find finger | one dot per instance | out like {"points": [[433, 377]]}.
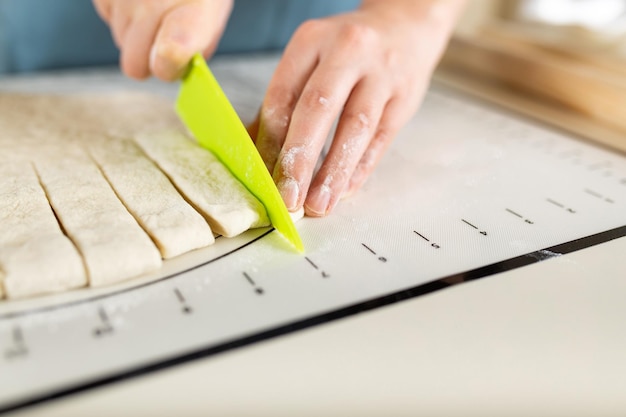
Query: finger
{"points": [[253, 128], [356, 127], [120, 20], [186, 30], [393, 118], [317, 108], [290, 77], [138, 40]]}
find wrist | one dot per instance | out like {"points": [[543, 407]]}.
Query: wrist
{"points": [[442, 15]]}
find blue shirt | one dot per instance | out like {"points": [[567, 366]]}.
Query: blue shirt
{"points": [[49, 34]]}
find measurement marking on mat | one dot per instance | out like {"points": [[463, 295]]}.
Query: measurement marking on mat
{"points": [[314, 265], [516, 214], [560, 205], [380, 258], [593, 193], [482, 232], [19, 348], [181, 298], [434, 245], [257, 289], [469, 224], [599, 196], [556, 203], [105, 326]]}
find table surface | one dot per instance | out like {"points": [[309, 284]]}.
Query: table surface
{"points": [[545, 339]]}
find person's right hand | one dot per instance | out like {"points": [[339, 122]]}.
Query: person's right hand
{"points": [[159, 37]]}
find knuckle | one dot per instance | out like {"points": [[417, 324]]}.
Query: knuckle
{"points": [[358, 35], [295, 161], [141, 11], [275, 122], [310, 28], [277, 108], [316, 99], [148, 8], [360, 119], [280, 97], [382, 136], [377, 145], [391, 59]]}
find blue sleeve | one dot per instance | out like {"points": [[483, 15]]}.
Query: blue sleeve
{"points": [[50, 34], [268, 24], [44, 34]]}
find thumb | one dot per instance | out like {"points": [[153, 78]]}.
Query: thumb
{"points": [[187, 29]]}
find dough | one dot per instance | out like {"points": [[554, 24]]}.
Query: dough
{"points": [[35, 256], [126, 184], [227, 205], [113, 245], [148, 194]]}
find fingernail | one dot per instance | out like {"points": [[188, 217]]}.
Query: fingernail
{"points": [[167, 60], [289, 191], [318, 202]]}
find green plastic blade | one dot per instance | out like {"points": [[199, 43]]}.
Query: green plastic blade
{"points": [[207, 113]]}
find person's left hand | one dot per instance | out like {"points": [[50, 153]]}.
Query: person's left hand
{"points": [[370, 68]]}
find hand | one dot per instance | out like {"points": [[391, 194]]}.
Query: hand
{"points": [[371, 69], [159, 37]]}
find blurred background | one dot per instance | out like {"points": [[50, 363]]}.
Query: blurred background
{"points": [[592, 25], [568, 53]]}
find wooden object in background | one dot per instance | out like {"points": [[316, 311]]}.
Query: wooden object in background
{"points": [[570, 85]]}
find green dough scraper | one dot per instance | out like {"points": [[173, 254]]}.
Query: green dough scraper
{"points": [[207, 113]]}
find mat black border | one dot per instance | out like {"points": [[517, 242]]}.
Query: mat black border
{"points": [[439, 284]]}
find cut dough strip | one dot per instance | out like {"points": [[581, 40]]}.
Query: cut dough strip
{"points": [[35, 256], [113, 245], [170, 189], [149, 195], [227, 205]]}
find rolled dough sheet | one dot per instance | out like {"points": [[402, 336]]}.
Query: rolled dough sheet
{"points": [[149, 195], [227, 205], [113, 245], [35, 256]]}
